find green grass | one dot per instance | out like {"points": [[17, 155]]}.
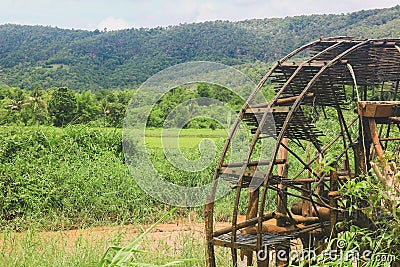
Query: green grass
{"points": [[188, 138]]}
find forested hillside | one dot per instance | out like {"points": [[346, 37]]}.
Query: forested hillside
{"points": [[32, 56]]}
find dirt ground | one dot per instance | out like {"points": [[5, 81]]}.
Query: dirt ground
{"points": [[168, 234]]}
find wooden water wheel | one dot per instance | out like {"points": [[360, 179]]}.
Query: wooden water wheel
{"points": [[354, 84]]}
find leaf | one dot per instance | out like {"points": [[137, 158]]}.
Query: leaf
{"points": [[124, 254]]}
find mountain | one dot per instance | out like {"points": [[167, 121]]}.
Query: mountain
{"points": [[49, 57]]}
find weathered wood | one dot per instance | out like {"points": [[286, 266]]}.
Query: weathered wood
{"points": [[375, 138], [389, 139], [333, 201], [377, 109], [394, 119], [244, 224], [318, 81], [252, 210], [282, 198], [253, 163], [283, 173], [255, 110], [209, 228], [282, 101], [306, 209]]}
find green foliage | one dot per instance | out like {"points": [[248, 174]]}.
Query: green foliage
{"points": [[62, 106], [116, 114], [39, 106], [374, 199], [169, 104], [87, 109], [76, 176]]}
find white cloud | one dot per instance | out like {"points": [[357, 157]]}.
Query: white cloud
{"points": [[113, 24]]}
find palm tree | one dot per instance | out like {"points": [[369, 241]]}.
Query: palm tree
{"points": [[36, 99], [104, 107], [17, 100]]}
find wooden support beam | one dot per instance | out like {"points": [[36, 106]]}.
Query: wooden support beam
{"points": [[244, 224], [209, 228], [375, 138], [283, 172], [333, 201], [394, 119], [306, 209], [263, 110], [253, 198], [390, 139], [377, 109], [282, 101], [282, 198], [253, 163], [315, 64]]}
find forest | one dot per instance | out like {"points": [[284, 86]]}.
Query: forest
{"points": [[32, 56], [104, 108]]}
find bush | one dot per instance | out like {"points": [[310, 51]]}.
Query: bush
{"points": [[66, 178]]}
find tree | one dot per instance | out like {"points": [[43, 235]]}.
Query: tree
{"points": [[17, 99], [203, 89], [87, 109], [62, 106], [116, 114], [17, 103], [39, 104]]}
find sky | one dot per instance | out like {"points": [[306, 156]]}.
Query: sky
{"points": [[122, 14]]}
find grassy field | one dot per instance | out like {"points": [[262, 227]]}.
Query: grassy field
{"points": [[188, 138], [76, 177], [54, 179]]}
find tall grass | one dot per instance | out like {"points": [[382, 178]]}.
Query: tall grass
{"points": [[85, 248], [65, 179], [53, 178]]}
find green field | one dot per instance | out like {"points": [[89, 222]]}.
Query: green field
{"points": [[56, 179], [76, 177], [188, 138], [73, 177]]}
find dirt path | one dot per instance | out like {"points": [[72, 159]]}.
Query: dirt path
{"points": [[178, 240], [165, 234]]}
